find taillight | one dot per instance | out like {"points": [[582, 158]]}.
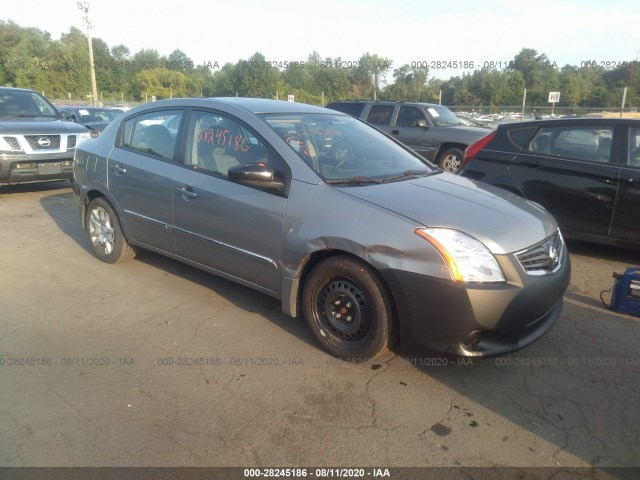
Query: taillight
{"points": [[473, 149]]}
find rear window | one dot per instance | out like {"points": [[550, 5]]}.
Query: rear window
{"points": [[380, 114], [577, 142], [354, 109]]}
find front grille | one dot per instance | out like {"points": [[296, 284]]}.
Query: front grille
{"points": [[12, 142], [543, 258], [71, 141], [43, 142]]}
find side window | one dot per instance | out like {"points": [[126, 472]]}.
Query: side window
{"points": [[634, 147], [519, 136], [380, 114], [215, 143], [581, 143], [354, 109], [153, 133], [409, 116]]}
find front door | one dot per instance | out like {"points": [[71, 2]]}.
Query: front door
{"points": [[232, 228]]}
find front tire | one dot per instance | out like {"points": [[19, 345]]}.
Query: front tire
{"points": [[451, 160], [105, 233], [348, 309]]}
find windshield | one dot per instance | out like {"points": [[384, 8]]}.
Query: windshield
{"points": [[17, 103], [97, 115], [442, 116], [342, 149]]}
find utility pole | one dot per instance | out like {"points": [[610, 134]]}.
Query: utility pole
{"points": [[94, 90]]}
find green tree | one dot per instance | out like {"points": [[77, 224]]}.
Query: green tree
{"points": [[161, 82]]}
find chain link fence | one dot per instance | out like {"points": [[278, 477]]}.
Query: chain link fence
{"points": [[477, 114], [491, 116]]}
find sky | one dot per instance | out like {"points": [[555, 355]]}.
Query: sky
{"points": [[407, 32]]}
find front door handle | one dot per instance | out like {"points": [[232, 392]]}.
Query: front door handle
{"points": [[186, 192], [395, 132]]}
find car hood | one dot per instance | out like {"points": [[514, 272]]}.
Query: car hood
{"points": [[504, 222], [477, 131], [97, 126], [37, 126]]}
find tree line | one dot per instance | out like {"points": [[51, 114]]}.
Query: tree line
{"points": [[30, 58]]}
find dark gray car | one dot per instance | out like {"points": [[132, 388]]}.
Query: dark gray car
{"points": [[332, 217], [431, 130], [95, 119], [36, 144]]}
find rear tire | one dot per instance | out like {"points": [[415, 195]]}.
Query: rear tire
{"points": [[105, 233], [451, 160], [348, 309]]}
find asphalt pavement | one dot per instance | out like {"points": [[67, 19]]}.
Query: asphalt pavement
{"points": [[154, 363]]}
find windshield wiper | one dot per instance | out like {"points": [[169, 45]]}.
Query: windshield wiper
{"points": [[357, 180], [410, 173]]}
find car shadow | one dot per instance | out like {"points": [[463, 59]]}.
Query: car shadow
{"points": [[34, 187], [574, 389], [604, 252], [58, 207]]}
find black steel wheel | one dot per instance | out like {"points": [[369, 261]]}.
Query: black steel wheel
{"points": [[348, 309]]}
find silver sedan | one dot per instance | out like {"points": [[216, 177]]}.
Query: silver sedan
{"points": [[350, 229]]}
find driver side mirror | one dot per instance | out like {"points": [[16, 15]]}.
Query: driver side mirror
{"points": [[256, 175], [422, 123]]}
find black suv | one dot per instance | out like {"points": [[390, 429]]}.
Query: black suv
{"points": [[36, 143], [586, 172], [431, 130]]}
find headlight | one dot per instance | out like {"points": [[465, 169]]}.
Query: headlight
{"points": [[467, 258], [83, 136]]}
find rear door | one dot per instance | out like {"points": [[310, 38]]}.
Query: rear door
{"points": [[625, 224], [140, 177], [572, 170]]}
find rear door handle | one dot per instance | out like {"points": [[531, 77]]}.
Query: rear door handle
{"points": [[186, 192], [119, 169], [395, 132]]}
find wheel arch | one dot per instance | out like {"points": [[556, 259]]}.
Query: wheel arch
{"points": [[89, 197], [292, 293], [447, 145]]}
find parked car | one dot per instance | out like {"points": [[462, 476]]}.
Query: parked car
{"points": [[36, 144], [94, 118], [431, 130], [586, 172], [331, 217]]}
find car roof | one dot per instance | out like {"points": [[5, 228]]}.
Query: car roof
{"points": [[570, 121], [16, 89], [263, 105], [252, 105], [82, 107], [387, 102]]}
